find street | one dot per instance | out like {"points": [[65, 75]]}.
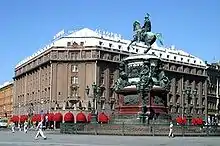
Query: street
{"points": [[55, 139]]}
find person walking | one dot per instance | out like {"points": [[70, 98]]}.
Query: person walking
{"points": [[25, 126], [171, 130], [39, 130], [13, 127]]}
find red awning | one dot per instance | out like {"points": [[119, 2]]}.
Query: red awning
{"points": [[69, 117], [14, 118], [50, 117], [81, 117], [23, 118], [58, 117], [89, 117], [36, 118], [199, 121], [103, 118], [181, 120]]}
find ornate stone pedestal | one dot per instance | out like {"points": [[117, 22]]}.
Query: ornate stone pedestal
{"points": [[142, 88]]}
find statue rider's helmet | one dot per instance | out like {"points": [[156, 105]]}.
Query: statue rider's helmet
{"points": [[147, 16]]}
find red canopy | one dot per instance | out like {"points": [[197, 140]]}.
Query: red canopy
{"points": [[181, 120], [14, 118], [58, 117], [197, 121], [36, 118], [50, 117], [69, 117], [23, 118], [103, 118], [81, 117]]}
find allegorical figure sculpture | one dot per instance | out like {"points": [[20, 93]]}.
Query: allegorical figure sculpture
{"points": [[123, 77], [144, 34]]}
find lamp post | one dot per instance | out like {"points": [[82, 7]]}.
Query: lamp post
{"points": [[96, 96], [5, 112], [41, 102], [19, 106]]}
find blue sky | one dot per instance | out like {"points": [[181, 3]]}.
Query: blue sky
{"points": [[26, 26]]}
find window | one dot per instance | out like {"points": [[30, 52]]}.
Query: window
{"points": [[68, 43], [81, 43], [168, 56], [181, 59], [74, 68], [160, 54], [137, 50], [194, 61], [111, 79], [119, 46], [174, 57], [74, 80], [110, 45], [100, 43], [187, 60], [153, 53]]}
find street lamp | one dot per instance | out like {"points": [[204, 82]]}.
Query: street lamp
{"points": [[19, 105], [87, 90], [96, 96], [5, 111], [41, 102]]}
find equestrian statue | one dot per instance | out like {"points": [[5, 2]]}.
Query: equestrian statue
{"points": [[144, 34]]}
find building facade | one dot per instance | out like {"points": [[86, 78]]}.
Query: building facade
{"points": [[56, 77], [6, 99], [213, 72]]}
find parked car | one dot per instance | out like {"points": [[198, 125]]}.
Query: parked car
{"points": [[3, 123]]}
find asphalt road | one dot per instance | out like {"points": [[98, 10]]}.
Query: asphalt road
{"points": [[55, 139]]}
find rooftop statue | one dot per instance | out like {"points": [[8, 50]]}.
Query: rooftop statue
{"points": [[144, 34]]}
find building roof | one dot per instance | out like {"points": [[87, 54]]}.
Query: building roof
{"points": [[6, 84], [114, 41]]}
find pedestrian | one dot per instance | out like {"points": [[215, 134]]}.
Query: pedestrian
{"points": [[13, 127], [25, 126], [39, 130], [171, 130]]}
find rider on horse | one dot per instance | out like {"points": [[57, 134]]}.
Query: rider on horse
{"points": [[144, 34]]}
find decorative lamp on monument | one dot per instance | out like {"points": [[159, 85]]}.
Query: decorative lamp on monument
{"points": [[19, 106], [96, 95]]}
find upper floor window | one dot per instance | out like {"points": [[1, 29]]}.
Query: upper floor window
{"points": [[74, 68], [74, 80], [68, 43]]}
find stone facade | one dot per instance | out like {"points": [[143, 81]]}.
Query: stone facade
{"points": [[56, 80], [6, 98], [213, 72], [183, 76]]}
